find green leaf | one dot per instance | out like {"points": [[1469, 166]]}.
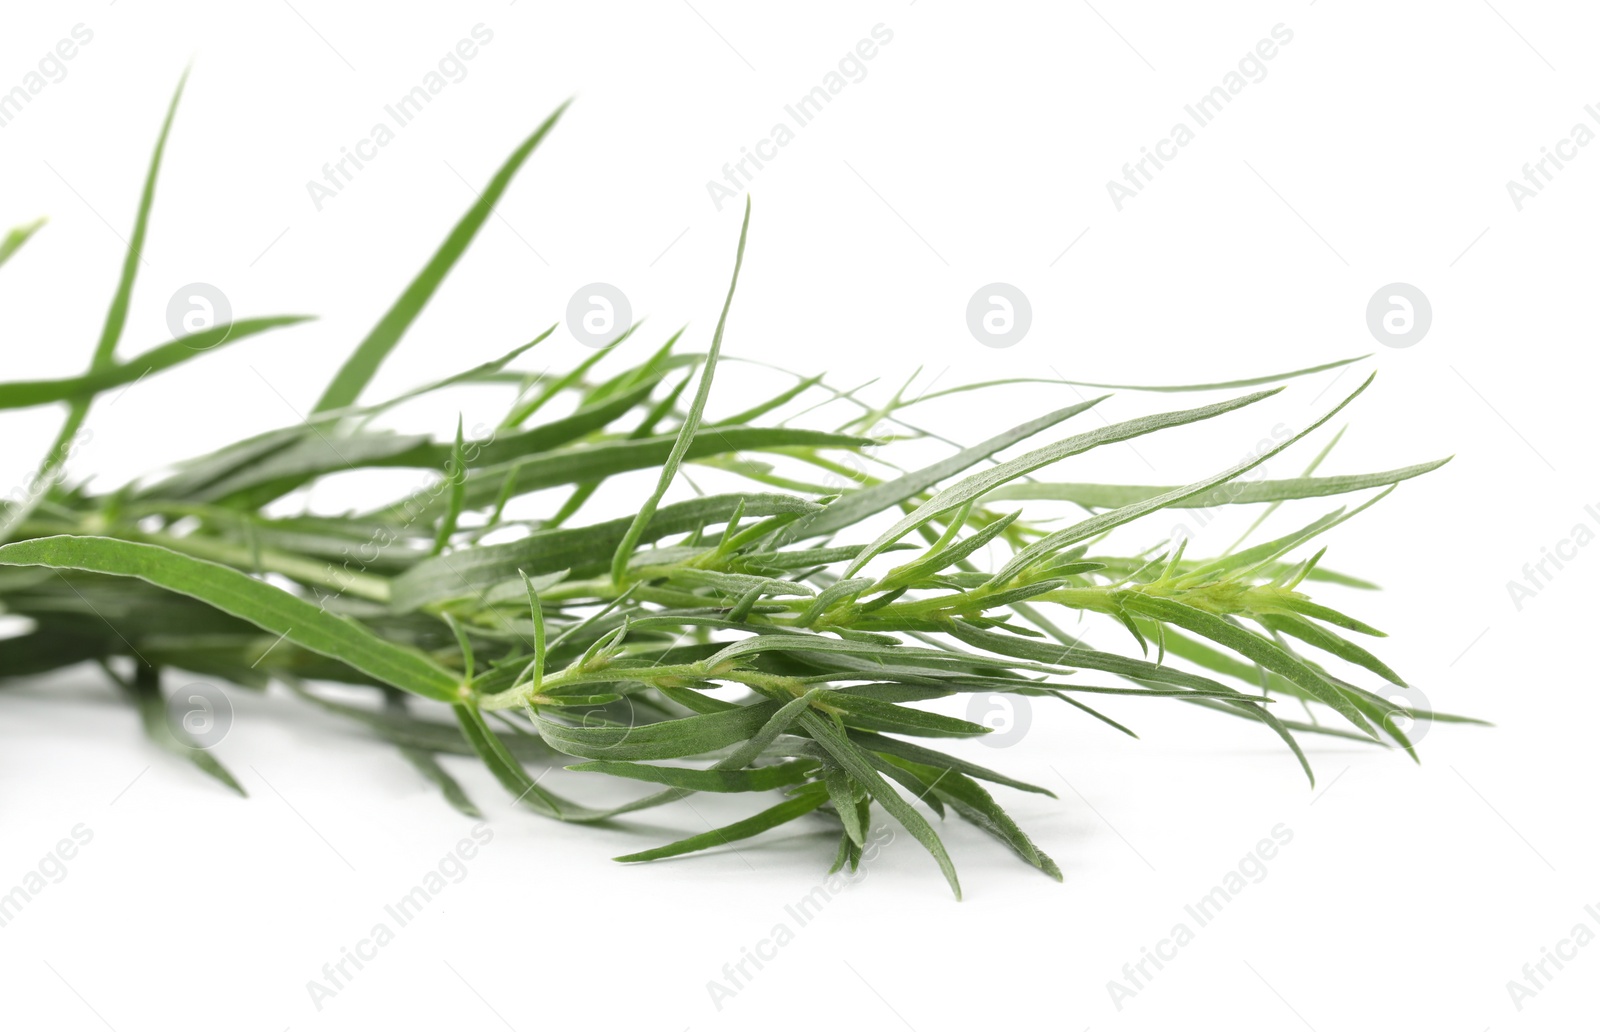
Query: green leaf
{"points": [[407, 731], [775, 402], [117, 314], [270, 608], [1202, 689], [876, 715], [691, 423], [973, 802], [507, 770], [580, 549], [1259, 557], [25, 393], [831, 596], [851, 757], [938, 559], [1327, 641], [528, 792], [1252, 381], [806, 799], [608, 458], [535, 669], [980, 484], [1112, 496], [449, 787], [145, 691], [1305, 607], [361, 366], [14, 239], [477, 373], [855, 506], [508, 447], [664, 740], [776, 725], [1252, 646], [756, 779], [311, 453], [455, 481], [846, 801], [1102, 522], [737, 585], [522, 411]]}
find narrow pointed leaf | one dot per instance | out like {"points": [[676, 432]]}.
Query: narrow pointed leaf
{"points": [[803, 802], [361, 366], [691, 422], [268, 607]]}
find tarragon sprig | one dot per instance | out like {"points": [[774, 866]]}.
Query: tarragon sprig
{"points": [[775, 638]]}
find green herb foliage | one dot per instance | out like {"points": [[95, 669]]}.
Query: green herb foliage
{"points": [[758, 641]]}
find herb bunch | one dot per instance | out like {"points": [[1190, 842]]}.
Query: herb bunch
{"points": [[758, 641]]}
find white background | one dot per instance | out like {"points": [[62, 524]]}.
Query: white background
{"points": [[976, 149]]}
